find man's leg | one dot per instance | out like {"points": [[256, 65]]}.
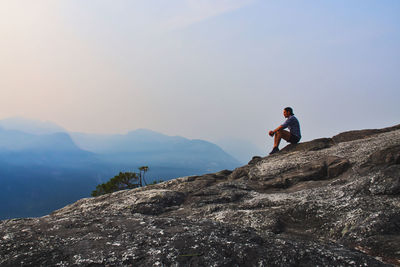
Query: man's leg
{"points": [[279, 135]]}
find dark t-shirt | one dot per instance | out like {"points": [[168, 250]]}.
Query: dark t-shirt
{"points": [[293, 125]]}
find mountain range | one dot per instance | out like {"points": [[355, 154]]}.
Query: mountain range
{"points": [[44, 167]]}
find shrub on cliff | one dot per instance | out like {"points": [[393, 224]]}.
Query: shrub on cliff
{"points": [[124, 180]]}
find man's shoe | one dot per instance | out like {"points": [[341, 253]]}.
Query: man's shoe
{"points": [[274, 150]]}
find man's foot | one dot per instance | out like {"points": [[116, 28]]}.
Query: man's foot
{"points": [[274, 150]]}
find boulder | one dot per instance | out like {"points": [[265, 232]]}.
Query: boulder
{"points": [[361, 134]]}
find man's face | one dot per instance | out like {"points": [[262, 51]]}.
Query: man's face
{"points": [[286, 114]]}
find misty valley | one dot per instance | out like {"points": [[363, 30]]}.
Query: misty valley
{"points": [[45, 168]]}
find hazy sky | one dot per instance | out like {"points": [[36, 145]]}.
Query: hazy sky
{"points": [[208, 69]]}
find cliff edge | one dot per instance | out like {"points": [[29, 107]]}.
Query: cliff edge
{"points": [[329, 202]]}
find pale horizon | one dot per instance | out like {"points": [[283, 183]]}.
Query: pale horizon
{"points": [[214, 70]]}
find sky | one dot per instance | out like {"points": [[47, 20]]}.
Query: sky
{"points": [[218, 70]]}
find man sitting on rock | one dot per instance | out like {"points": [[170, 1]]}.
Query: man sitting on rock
{"points": [[292, 136]]}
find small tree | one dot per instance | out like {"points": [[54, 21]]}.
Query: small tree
{"points": [[124, 180]]}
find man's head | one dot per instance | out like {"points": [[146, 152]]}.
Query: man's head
{"points": [[287, 112]]}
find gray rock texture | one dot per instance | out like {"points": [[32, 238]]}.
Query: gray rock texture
{"points": [[328, 202]]}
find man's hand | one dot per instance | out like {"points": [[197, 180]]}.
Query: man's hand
{"points": [[271, 133]]}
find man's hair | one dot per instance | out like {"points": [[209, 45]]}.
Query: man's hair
{"points": [[289, 109]]}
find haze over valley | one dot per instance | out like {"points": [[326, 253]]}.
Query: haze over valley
{"points": [[43, 167]]}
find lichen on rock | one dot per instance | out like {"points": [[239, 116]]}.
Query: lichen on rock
{"points": [[328, 202]]}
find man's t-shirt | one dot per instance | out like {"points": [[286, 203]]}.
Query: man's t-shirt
{"points": [[293, 125]]}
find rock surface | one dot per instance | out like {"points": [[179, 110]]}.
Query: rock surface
{"points": [[328, 202]]}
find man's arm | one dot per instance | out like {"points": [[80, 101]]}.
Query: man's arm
{"points": [[272, 133]]}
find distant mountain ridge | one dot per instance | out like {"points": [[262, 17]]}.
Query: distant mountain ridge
{"points": [[16, 140], [240, 149], [147, 147], [20, 133], [139, 140], [30, 126]]}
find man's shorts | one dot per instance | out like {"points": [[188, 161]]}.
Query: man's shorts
{"points": [[294, 139]]}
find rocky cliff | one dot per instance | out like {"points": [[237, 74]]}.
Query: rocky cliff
{"points": [[329, 202]]}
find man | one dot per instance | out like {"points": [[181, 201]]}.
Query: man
{"points": [[292, 136]]}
